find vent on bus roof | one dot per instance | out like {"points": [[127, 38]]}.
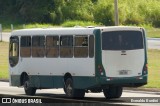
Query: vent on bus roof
{"points": [[90, 27], [77, 26]]}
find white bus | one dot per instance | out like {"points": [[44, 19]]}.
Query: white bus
{"points": [[100, 59]]}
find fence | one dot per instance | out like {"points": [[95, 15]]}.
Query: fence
{"points": [[12, 28]]}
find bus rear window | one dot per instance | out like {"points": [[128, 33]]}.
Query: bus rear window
{"points": [[122, 40]]}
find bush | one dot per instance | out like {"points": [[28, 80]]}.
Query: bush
{"points": [[104, 12], [130, 12], [78, 10], [79, 23], [136, 12], [152, 13], [139, 12]]}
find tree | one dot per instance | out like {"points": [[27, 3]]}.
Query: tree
{"points": [[78, 10]]}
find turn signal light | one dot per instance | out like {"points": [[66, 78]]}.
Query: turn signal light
{"points": [[100, 69], [145, 69]]}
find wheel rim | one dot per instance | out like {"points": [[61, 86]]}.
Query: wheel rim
{"points": [[26, 85], [69, 88]]}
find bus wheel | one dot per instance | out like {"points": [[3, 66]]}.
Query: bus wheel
{"points": [[71, 92], [113, 92], [28, 90]]}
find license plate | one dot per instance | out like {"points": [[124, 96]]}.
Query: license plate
{"points": [[123, 72]]}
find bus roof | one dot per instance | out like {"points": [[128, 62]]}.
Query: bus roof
{"points": [[70, 30]]}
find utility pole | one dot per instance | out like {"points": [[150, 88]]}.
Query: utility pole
{"points": [[116, 17]]}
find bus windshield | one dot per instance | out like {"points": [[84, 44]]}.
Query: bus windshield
{"points": [[122, 40], [13, 51]]}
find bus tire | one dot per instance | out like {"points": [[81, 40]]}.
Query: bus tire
{"points": [[71, 92], [28, 90], [113, 92]]}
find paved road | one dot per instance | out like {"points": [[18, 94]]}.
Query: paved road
{"points": [[127, 95], [153, 43]]}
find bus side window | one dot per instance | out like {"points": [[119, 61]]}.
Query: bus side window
{"points": [[66, 46], [38, 46], [91, 46], [81, 46], [25, 49], [52, 46]]}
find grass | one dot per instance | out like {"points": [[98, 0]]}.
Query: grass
{"points": [[153, 69], [151, 32], [153, 65], [7, 27], [3, 60], [79, 23]]}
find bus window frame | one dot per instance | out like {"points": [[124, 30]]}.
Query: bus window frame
{"points": [[82, 46], [93, 54], [70, 46], [39, 46], [57, 46], [27, 47]]}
